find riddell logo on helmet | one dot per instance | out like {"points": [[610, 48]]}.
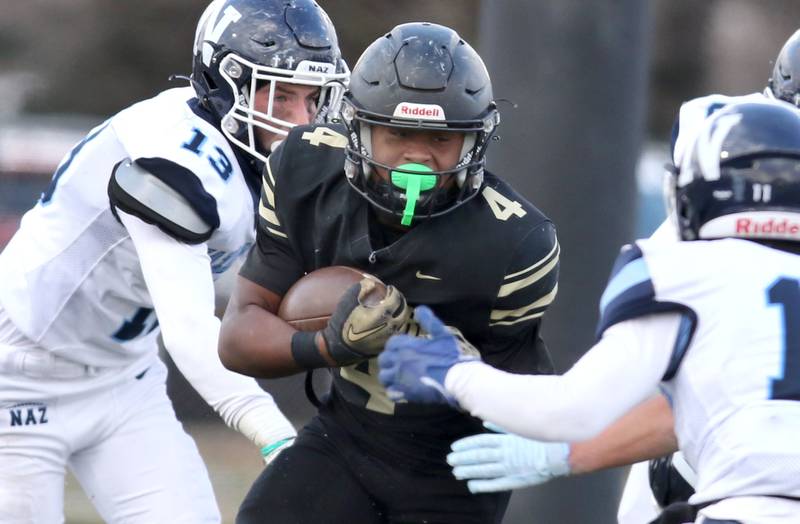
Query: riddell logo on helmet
{"points": [[419, 111], [767, 227]]}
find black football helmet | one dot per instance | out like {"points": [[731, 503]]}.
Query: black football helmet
{"points": [[418, 76], [241, 44], [741, 177], [785, 81]]}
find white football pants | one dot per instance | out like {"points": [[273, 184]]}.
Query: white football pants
{"points": [[118, 434]]}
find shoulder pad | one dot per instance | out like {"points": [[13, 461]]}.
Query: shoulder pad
{"points": [[630, 292], [165, 194]]}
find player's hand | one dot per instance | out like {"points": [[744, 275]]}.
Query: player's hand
{"points": [[359, 327], [502, 462], [414, 368], [271, 452]]}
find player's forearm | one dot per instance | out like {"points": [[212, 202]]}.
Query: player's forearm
{"points": [[253, 340], [238, 399], [540, 407], [257, 343], [619, 372], [644, 432]]}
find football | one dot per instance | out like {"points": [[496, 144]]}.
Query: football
{"points": [[309, 303]]}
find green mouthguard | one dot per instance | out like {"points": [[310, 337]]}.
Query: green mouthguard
{"points": [[413, 184]]}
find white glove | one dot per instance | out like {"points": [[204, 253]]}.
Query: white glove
{"points": [[271, 452], [502, 462]]}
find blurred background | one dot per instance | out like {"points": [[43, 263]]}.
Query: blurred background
{"points": [[588, 94]]}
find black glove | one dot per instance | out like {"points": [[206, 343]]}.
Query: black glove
{"points": [[360, 326]]}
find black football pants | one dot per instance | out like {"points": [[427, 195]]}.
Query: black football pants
{"points": [[324, 479]]}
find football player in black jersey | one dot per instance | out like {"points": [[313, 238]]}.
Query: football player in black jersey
{"points": [[399, 191]]}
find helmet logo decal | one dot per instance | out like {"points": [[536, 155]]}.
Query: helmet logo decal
{"points": [[419, 111], [229, 16], [710, 144], [307, 66], [779, 225]]}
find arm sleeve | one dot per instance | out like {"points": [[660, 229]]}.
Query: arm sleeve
{"points": [[620, 371], [178, 278]]}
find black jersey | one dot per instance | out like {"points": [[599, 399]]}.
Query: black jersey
{"points": [[488, 268]]}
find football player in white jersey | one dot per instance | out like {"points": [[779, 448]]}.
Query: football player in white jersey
{"points": [[124, 244], [711, 319]]}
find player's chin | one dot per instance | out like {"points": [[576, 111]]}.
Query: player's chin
{"points": [[267, 141]]}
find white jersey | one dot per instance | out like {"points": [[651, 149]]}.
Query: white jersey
{"points": [[736, 391], [71, 279]]}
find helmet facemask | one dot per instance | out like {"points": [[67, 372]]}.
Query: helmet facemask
{"points": [[245, 78], [411, 192], [243, 45]]}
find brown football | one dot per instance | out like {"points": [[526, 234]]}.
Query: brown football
{"points": [[309, 303]]}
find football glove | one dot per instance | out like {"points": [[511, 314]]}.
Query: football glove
{"points": [[502, 462], [414, 368], [271, 452], [358, 328]]}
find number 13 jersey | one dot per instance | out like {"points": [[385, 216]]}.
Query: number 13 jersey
{"points": [[70, 278]]}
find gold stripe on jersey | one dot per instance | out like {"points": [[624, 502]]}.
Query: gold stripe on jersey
{"points": [[276, 232], [268, 214], [269, 174], [507, 314], [540, 271], [266, 206], [521, 319], [555, 249], [266, 189]]}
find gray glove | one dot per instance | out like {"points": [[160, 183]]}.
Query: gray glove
{"points": [[360, 325]]}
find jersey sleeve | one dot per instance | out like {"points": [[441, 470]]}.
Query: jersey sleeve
{"points": [[631, 294], [528, 287], [183, 297], [272, 262]]}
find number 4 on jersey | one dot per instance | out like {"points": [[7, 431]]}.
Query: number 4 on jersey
{"points": [[501, 206], [328, 137]]}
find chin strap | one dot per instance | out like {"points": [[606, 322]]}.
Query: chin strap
{"points": [[414, 184]]}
